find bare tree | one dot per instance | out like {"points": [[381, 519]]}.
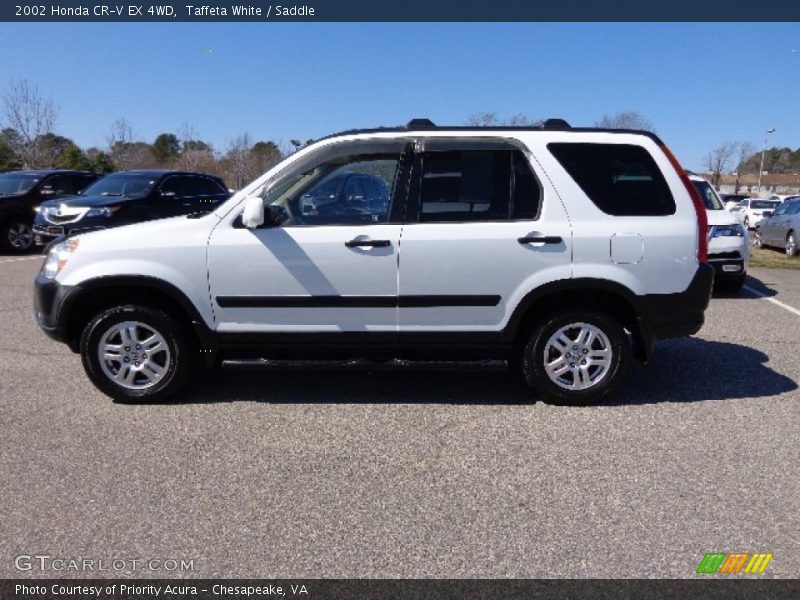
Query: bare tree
{"points": [[490, 119], [244, 161], [31, 115], [487, 119], [518, 120], [238, 161], [195, 154], [746, 150], [717, 160], [121, 145], [629, 119]]}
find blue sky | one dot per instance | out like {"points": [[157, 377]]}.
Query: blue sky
{"points": [[699, 84]]}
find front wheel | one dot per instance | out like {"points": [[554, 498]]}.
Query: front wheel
{"points": [[16, 235], [135, 353], [576, 357], [791, 244], [730, 286], [758, 241]]}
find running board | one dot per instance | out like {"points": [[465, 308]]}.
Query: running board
{"points": [[367, 365]]}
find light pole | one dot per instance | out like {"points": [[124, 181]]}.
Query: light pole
{"points": [[763, 150]]}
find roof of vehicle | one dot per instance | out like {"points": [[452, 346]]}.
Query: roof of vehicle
{"points": [[422, 125], [160, 172], [42, 172]]}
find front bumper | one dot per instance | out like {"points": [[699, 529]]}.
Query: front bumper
{"points": [[728, 266], [44, 235], [49, 299]]}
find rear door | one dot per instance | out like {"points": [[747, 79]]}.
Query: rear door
{"points": [[203, 193], [173, 197], [772, 226], [787, 222], [633, 219], [482, 228]]}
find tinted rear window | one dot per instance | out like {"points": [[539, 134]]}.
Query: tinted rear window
{"points": [[621, 179]]}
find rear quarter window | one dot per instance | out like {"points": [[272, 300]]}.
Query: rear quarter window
{"points": [[620, 179]]}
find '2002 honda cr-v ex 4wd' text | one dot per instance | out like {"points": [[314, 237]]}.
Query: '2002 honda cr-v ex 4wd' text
{"points": [[564, 251]]}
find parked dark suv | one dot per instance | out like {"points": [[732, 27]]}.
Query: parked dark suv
{"points": [[22, 191], [129, 197]]}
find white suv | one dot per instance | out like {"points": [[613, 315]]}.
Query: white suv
{"points": [[564, 251], [728, 240]]}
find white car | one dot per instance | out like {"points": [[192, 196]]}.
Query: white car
{"points": [[751, 211], [728, 241], [565, 251], [731, 200]]}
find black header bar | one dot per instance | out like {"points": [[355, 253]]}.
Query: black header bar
{"points": [[397, 11], [385, 589]]}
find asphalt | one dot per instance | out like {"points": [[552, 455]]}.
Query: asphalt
{"points": [[411, 474]]}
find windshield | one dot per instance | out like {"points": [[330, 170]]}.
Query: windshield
{"points": [[13, 183], [709, 196], [122, 184], [763, 204]]}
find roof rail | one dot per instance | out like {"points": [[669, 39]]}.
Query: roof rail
{"points": [[556, 124], [420, 123]]}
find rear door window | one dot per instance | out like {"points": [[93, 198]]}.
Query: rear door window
{"points": [[202, 186], [174, 185], [492, 184], [620, 179]]}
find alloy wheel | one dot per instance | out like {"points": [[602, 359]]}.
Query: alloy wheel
{"points": [[578, 356], [20, 236], [133, 355]]}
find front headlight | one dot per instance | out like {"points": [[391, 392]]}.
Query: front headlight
{"points": [[105, 211], [726, 231], [57, 257]]}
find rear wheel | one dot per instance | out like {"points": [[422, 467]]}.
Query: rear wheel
{"points": [[16, 235], [791, 244], [135, 353], [576, 357]]}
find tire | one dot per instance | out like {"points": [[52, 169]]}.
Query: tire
{"points": [[730, 286], [143, 376], [758, 241], [580, 385], [791, 244], [16, 235]]}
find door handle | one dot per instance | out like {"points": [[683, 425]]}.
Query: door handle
{"points": [[546, 239], [367, 243]]}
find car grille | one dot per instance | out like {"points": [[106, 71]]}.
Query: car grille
{"points": [[724, 255], [56, 220]]}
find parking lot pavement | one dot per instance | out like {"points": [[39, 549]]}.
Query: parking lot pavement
{"points": [[411, 474], [781, 284]]}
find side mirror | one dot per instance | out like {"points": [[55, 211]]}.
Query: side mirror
{"points": [[253, 214], [766, 213]]}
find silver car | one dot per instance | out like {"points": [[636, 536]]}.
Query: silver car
{"points": [[781, 228]]}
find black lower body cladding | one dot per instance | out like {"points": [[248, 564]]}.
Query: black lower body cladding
{"points": [[681, 313]]}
